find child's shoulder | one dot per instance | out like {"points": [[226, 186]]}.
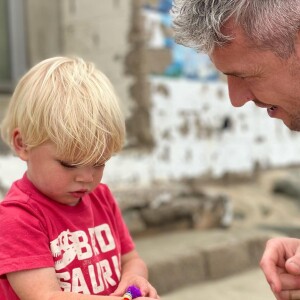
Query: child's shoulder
{"points": [[21, 198], [15, 194]]}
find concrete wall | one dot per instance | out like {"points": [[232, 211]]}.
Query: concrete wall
{"points": [[43, 20], [96, 30], [179, 118], [99, 32]]}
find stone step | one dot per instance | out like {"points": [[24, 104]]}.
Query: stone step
{"points": [[178, 259], [246, 285]]}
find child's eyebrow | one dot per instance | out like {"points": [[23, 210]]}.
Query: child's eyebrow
{"points": [[66, 164], [102, 162]]}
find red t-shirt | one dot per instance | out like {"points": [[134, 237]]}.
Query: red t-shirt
{"points": [[84, 243]]}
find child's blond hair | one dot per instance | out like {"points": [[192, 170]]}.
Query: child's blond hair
{"points": [[69, 102]]}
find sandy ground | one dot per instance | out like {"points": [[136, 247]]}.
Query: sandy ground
{"points": [[255, 204]]}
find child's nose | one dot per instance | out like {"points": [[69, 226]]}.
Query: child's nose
{"points": [[85, 174]]}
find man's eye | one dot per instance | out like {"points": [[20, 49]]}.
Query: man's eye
{"points": [[67, 165]]}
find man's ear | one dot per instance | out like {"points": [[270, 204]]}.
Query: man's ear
{"points": [[19, 145]]}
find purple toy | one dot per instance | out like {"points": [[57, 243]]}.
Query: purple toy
{"points": [[132, 292]]}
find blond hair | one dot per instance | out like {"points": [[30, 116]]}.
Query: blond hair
{"points": [[70, 103]]}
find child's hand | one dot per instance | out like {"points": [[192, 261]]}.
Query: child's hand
{"points": [[147, 290]]}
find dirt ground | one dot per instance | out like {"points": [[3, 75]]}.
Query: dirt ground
{"points": [[255, 204]]}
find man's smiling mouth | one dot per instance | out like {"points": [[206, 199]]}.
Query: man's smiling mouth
{"points": [[272, 111], [263, 105], [272, 108]]}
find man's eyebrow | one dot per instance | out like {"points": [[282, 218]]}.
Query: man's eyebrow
{"points": [[252, 72]]}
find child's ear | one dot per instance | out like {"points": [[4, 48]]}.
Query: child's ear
{"points": [[19, 145]]}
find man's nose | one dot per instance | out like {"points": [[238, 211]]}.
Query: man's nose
{"points": [[85, 174], [239, 92]]}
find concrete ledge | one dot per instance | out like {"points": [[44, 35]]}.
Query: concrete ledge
{"points": [[178, 259]]}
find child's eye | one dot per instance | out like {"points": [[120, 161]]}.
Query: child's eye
{"points": [[99, 165], [67, 165]]}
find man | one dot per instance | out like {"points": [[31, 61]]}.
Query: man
{"points": [[256, 44]]}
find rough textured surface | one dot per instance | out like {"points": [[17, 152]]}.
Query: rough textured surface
{"points": [[177, 127], [187, 257], [3, 106], [154, 209], [139, 122]]}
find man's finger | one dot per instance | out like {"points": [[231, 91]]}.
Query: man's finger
{"points": [[268, 265], [290, 295], [292, 265], [289, 282]]}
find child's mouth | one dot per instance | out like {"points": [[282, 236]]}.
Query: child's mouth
{"points": [[78, 194]]}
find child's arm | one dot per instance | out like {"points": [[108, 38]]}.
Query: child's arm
{"points": [[42, 284], [135, 272]]}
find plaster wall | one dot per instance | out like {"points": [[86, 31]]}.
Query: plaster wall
{"points": [[199, 134]]}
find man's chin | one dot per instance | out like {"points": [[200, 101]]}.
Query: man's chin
{"points": [[293, 124]]}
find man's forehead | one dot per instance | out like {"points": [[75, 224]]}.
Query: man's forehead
{"points": [[232, 58], [235, 63]]}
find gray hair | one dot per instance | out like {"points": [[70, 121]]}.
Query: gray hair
{"points": [[269, 24]]}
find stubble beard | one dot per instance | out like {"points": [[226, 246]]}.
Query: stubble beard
{"points": [[295, 122]]}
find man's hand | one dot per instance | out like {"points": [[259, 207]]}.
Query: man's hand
{"points": [[281, 266]]}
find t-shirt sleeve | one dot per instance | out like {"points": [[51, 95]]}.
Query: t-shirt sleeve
{"points": [[24, 242], [125, 238]]}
